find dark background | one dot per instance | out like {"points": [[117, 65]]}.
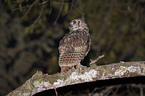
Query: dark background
{"points": [[30, 31]]}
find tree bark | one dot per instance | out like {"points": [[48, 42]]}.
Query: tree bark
{"points": [[40, 82]]}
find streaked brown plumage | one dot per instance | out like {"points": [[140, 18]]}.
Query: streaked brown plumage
{"points": [[75, 45]]}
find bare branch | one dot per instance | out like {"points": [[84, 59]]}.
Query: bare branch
{"points": [[44, 2], [24, 7], [50, 7], [94, 61], [30, 8], [38, 18], [59, 13], [70, 7], [82, 13]]}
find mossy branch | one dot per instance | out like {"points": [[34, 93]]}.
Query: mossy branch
{"points": [[40, 82]]}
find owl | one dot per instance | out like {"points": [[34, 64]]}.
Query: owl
{"points": [[75, 45]]}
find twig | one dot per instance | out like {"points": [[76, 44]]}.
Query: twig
{"points": [[94, 61], [38, 17], [19, 8], [70, 7], [44, 2], [50, 4], [141, 91], [56, 92], [29, 8], [59, 13], [82, 13]]}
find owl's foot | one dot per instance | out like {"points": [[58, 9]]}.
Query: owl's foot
{"points": [[65, 69], [80, 67]]}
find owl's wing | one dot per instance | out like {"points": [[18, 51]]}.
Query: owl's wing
{"points": [[74, 47], [75, 39], [89, 44]]}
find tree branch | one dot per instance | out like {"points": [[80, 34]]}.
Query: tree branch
{"points": [[30, 8], [94, 61], [40, 82], [59, 13]]}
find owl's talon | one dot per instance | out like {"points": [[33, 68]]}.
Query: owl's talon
{"points": [[80, 67]]}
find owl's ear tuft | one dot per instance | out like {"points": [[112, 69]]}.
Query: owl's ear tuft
{"points": [[82, 19]]}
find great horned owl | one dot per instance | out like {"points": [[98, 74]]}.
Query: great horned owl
{"points": [[75, 45]]}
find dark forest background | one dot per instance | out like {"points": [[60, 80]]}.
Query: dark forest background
{"points": [[30, 31]]}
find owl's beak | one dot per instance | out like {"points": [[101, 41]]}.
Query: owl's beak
{"points": [[70, 25]]}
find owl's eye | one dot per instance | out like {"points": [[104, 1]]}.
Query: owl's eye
{"points": [[74, 22]]}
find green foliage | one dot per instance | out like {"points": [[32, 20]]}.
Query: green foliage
{"points": [[9, 3]]}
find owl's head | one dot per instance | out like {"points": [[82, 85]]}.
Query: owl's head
{"points": [[77, 24]]}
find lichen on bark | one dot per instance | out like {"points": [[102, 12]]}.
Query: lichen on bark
{"points": [[40, 82]]}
